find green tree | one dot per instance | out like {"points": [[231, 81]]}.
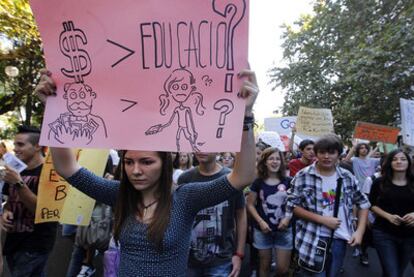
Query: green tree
{"points": [[20, 47], [353, 56]]}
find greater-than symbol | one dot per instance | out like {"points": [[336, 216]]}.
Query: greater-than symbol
{"points": [[130, 52], [132, 103]]}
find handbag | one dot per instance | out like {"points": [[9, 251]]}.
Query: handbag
{"points": [[323, 248], [98, 233]]}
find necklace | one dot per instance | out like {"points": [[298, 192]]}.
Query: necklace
{"points": [[148, 206]]}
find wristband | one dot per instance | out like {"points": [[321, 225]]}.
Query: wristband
{"points": [[248, 123], [240, 255]]}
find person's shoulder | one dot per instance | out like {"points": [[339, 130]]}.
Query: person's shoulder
{"points": [[187, 176]]}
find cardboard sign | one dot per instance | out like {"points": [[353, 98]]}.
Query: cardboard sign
{"points": [[273, 139], [57, 201], [282, 125], [314, 122], [149, 75], [376, 132], [407, 121]]}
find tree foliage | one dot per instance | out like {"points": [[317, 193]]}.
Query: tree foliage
{"points": [[353, 56], [18, 30]]}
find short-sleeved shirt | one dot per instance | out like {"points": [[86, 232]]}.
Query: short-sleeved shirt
{"points": [[271, 201], [295, 166], [213, 234], [397, 200], [364, 168], [25, 235]]}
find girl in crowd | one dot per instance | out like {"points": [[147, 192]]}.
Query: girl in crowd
{"points": [[266, 203], [181, 163], [227, 159], [152, 223], [392, 200]]}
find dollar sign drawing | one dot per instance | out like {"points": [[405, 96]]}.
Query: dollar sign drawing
{"points": [[69, 42]]}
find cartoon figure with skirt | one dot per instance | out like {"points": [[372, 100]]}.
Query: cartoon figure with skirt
{"points": [[180, 87]]}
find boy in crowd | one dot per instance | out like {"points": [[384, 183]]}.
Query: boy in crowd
{"points": [[312, 200], [27, 245], [219, 233]]}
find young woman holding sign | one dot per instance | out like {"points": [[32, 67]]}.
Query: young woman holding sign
{"points": [[152, 223]]}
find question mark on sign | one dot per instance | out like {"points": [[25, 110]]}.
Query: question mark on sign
{"points": [[207, 80], [225, 106]]}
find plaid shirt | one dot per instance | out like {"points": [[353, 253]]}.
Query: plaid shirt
{"points": [[306, 192]]}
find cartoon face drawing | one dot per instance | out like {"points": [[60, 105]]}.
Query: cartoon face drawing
{"points": [[180, 85], [79, 98]]}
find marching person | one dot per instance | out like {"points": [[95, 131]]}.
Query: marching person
{"points": [[312, 201], [392, 199], [266, 203], [152, 223]]}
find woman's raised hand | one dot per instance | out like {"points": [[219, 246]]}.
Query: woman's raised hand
{"points": [[249, 89], [46, 86]]}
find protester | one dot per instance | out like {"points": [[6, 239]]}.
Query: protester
{"points": [[307, 157], [27, 245], [227, 159], [219, 233], [312, 200], [182, 162], [152, 224], [362, 164], [266, 203], [392, 198]]}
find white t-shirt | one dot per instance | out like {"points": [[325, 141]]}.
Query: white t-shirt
{"points": [[328, 193]]}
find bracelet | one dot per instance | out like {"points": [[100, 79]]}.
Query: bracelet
{"points": [[240, 255], [248, 123]]}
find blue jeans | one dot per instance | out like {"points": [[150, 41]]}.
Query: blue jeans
{"points": [[27, 264], [338, 251], [214, 271], [394, 252]]}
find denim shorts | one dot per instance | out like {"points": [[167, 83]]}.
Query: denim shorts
{"points": [[278, 239]]}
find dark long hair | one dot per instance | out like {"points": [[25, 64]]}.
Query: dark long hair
{"points": [[262, 171], [388, 172], [129, 198]]}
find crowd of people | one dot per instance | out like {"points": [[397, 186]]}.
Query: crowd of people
{"points": [[192, 214]]}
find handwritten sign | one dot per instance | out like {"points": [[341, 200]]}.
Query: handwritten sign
{"points": [[150, 75], [282, 125], [314, 122], [78, 207], [51, 193], [407, 121], [273, 139], [57, 200], [376, 132]]}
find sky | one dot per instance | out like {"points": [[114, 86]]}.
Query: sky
{"points": [[265, 51]]}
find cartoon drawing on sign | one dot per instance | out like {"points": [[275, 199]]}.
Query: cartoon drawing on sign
{"points": [[79, 123], [69, 42], [180, 87]]}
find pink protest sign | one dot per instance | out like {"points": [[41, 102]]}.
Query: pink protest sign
{"points": [[147, 75]]}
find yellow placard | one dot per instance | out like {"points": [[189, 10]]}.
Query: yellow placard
{"points": [[51, 194], [77, 209], [314, 122], [58, 201]]}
